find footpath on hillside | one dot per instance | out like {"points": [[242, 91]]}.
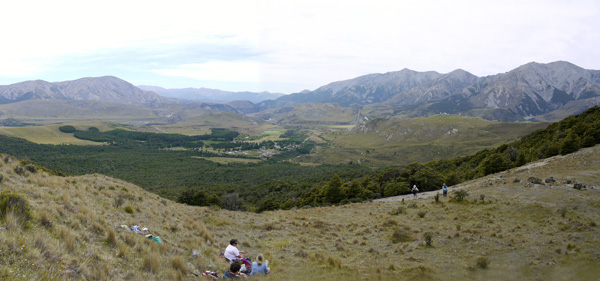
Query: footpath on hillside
{"points": [[421, 195], [579, 157]]}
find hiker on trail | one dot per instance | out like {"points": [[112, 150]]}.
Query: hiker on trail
{"points": [[415, 190], [234, 272], [232, 253], [445, 190], [260, 266]]}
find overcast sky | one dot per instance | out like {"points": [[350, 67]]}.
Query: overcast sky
{"points": [[287, 46]]}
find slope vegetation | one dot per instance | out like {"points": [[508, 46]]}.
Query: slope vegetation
{"points": [[69, 228]]}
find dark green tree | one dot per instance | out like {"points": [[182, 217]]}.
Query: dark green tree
{"points": [[333, 190]]}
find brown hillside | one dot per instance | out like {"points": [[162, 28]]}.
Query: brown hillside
{"points": [[506, 228]]}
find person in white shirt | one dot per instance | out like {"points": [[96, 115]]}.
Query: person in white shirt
{"points": [[232, 253], [415, 190]]}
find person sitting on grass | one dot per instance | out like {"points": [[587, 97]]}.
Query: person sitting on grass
{"points": [[234, 272], [260, 266], [232, 253]]}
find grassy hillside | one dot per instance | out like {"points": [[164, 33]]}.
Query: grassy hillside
{"points": [[309, 114], [385, 142], [50, 134], [56, 111], [504, 229]]}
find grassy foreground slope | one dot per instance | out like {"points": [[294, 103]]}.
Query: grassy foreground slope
{"points": [[503, 230]]}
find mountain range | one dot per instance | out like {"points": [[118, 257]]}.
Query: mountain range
{"points": [[210, 95], [528, 91], [106, 89], [534, 91]]}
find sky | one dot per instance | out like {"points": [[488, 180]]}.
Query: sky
{"points": [[287, 46]]}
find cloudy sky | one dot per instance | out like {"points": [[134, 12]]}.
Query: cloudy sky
{"points": [[287, 46]]}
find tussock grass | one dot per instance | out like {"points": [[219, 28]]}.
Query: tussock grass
{"points": [[151, 263], [178, 263], [75, 232]]}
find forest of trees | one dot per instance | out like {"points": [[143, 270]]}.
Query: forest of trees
{"points": [[275, 184]]}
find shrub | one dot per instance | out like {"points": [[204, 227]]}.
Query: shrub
{"points": [[118, 202], [14, 203], [397, 211], [19, 170], [400, 235], [422, 214], [563, 211], [129, 210], [428, 238], [482, 262], [460, 195], [534, 180], [31, 168]]}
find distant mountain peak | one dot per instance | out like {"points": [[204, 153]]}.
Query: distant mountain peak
{"points": [[106, 89]]}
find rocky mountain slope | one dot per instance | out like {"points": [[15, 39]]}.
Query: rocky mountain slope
{"points": [[534, 89], [105, 89], [367, 89], [530, 90]]}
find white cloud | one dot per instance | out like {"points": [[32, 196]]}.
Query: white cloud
{"points": [[302, 44]]}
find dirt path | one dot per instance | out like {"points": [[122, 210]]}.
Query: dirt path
{"points": [[422, 195], [544, 166]]}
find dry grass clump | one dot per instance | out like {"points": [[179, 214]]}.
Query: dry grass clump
{"points": [[178, 263], [45, 219], [151, 263], [111, 237], [401, 235], [419, 271]]}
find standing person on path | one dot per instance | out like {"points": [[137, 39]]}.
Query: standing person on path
{"points": [[415, 190], [445, 190]]}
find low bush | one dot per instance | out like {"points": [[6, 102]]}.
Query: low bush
{"points": [[400, 235], [482, 262], [397, 211], [428, 238], [460, 195], [14, 203], [129, 210], [534, 180]]}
